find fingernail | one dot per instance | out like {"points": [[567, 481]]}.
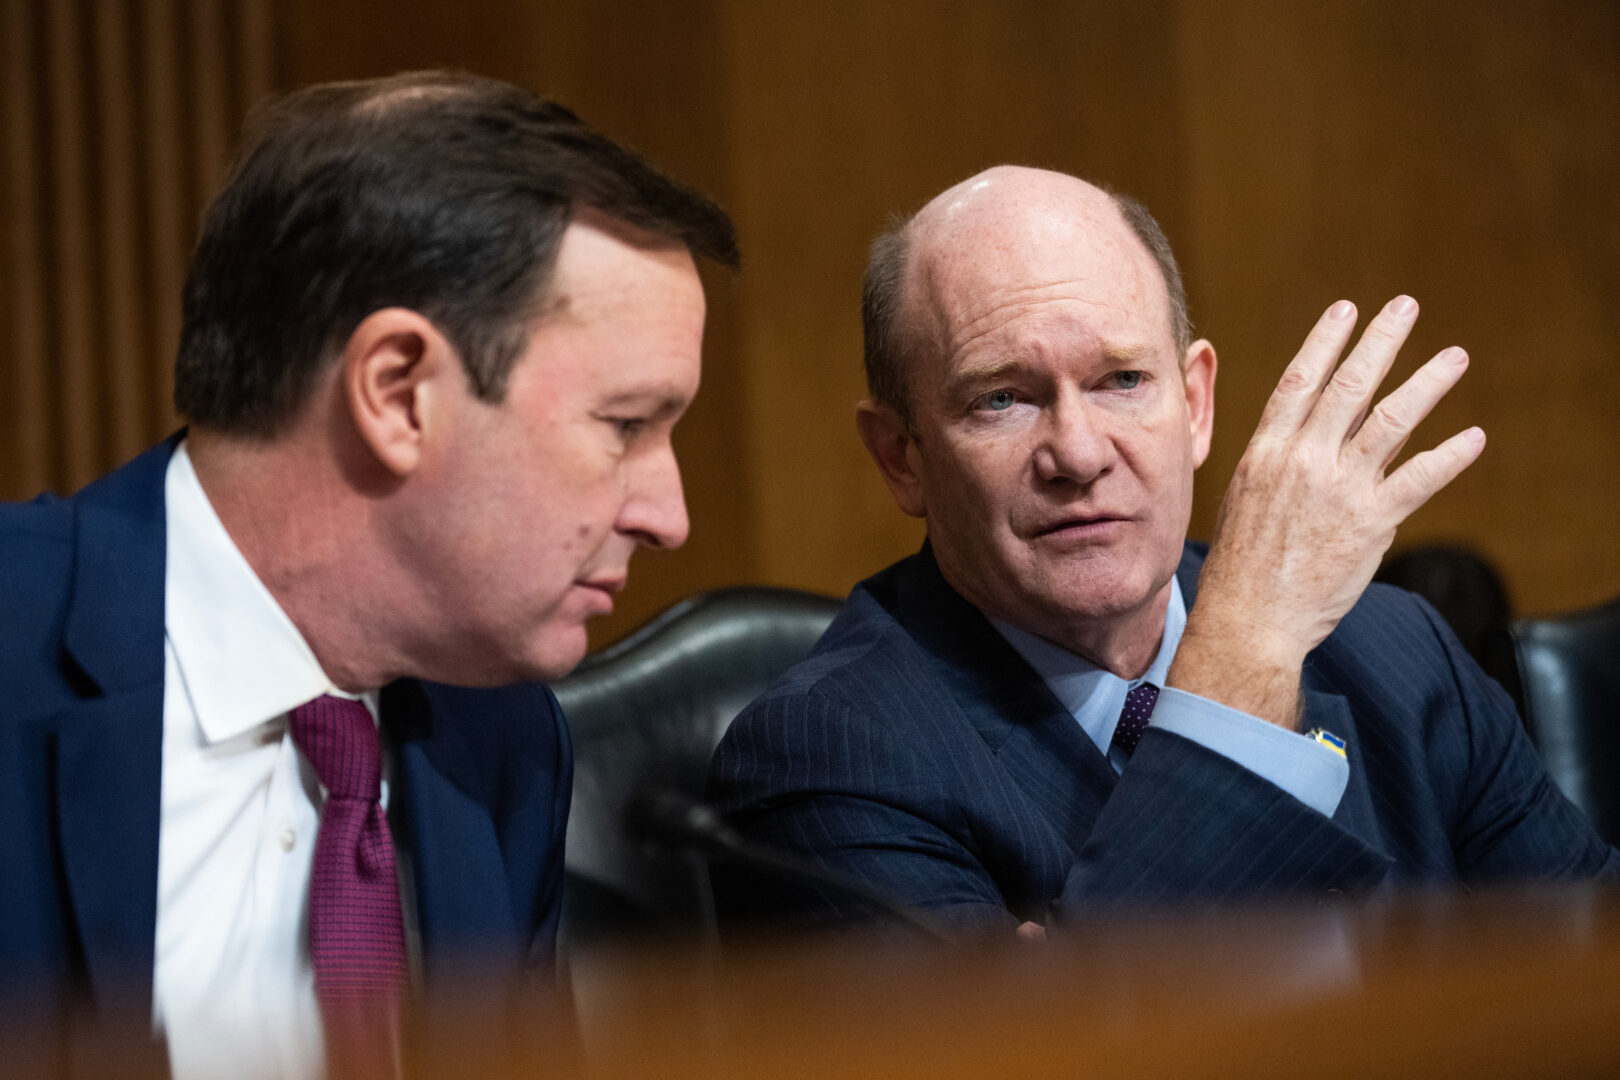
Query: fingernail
{"points": [[1403, 305], [1457, 355], [1344, 309], [1477, 434]]}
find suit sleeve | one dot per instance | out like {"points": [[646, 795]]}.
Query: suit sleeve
{"points": [[925, 825], [1186, 823]]}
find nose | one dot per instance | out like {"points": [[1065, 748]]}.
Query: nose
{"points": [[1075, 445], [654, 510]]}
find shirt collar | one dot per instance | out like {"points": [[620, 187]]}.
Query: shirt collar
{"points": [[1094, 696], [242, 661]]}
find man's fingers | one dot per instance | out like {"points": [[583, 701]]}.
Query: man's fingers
{"points": [[1344, 400], [1302, 382], [1392, 420], [1410, 486]]}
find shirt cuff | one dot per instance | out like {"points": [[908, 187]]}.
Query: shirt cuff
{"points": [[1302, 767]]}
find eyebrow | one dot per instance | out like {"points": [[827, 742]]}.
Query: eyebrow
{"points": [[1001, 367], [664, 401]]}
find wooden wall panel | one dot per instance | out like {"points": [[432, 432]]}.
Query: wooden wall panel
{"points": [[868, 110], [119, 120], [1464, 152], [26, 438], [1467, 156]]}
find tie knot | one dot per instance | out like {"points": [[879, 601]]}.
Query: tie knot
{"points": [[340, 740], [1133, 719]]}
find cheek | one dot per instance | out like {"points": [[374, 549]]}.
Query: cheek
{"points": [[585, 510]]}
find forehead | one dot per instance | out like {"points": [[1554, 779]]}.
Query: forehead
{"points": [[604, 267], [1009, 262], [622, 302]]}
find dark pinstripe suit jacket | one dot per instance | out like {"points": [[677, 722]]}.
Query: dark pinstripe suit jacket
{"points": [[915, 749]]}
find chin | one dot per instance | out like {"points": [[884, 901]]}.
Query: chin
{"points": [[1103, 599], [556, 656], [542, 661]]}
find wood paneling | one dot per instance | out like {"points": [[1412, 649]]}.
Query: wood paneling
{"points": [[1463, 152], [1468, 156], [118, 120]]}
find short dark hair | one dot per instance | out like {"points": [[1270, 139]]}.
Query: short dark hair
{"points": [[438, 191], [885, 336]]}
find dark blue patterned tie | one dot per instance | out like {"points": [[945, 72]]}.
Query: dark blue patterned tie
{"points": [[1133, 719]]}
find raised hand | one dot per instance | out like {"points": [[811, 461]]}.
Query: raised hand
{"points": [[1312, 508]]}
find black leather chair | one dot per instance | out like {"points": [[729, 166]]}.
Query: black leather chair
{"points": [[650, 710], [1569, 674]]}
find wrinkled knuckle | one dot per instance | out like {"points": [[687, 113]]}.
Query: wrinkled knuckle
{"points": [[1352, 381], [1295, 381], [1382, 332], [1384, 418]]}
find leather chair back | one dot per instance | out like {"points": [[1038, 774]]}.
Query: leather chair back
{"points": [[650, 710], [1569, 674]]}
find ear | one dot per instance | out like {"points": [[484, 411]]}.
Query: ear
{"points": [[890, 443], [1198, 382], [391, 368]]}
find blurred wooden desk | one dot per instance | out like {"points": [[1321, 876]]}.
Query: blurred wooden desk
{"points": [[1511, 985], [1521, 984]]}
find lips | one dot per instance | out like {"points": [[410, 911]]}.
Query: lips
{"points": [[603, 587], [1078, 526], [612, 584]]}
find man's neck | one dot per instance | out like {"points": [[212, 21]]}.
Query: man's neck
{"points": [[1123, 644], [291, 514]]}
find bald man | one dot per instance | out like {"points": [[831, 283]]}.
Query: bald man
{"points": [[1032, 714]]}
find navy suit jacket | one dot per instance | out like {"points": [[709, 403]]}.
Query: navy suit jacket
{"points": [[481, 790], [917, 751]]}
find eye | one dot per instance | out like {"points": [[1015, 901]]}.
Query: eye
{"points": [[1127, 380], [628, 427], [996, 401]]}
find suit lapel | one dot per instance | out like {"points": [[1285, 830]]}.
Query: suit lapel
{"points": [[110, 745], [463, 900], [1033, 736], [109, 763]]}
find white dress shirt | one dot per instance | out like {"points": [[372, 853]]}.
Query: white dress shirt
{"points": [[1302, 767], [233, 989]]}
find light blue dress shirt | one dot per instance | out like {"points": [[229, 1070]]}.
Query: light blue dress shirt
{"points": [[1302, 767]]}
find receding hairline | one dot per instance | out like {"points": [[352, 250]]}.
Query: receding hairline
{"points": [[894, 271]]}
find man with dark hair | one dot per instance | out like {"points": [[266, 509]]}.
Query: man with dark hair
{"points": [[271, 735], [1031, 716]]}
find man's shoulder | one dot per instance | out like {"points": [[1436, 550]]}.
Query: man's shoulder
{"points": [[901, 666], [1393, 624], [36, 569], [93, 560], [33, 537], [862, 646], [1392, 652]]}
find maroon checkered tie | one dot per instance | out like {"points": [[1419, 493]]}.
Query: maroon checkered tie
{"points": [[356, 933], [1133, 719]]}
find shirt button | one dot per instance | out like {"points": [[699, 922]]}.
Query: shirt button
{"points": [[288, 839]]}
